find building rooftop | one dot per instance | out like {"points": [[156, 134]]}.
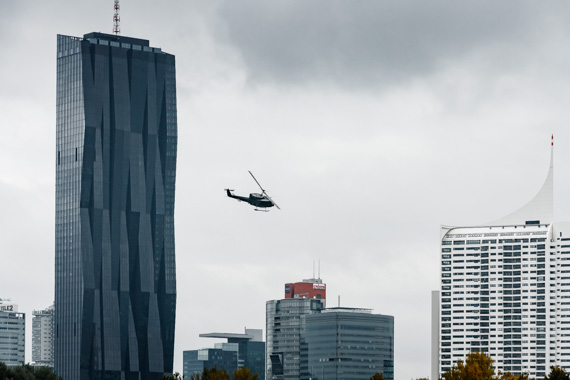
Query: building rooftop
{"points": [[226, 335], [116, 38], [346, 310]]}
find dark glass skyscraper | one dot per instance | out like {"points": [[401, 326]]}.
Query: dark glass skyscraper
{"points": [[347, 343], [115, 280]]}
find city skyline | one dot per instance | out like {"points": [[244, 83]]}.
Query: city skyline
{"points": [[369, 127]]}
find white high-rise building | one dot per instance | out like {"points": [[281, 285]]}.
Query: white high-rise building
{"points": [[505, 290], [12, 334], [42, 337]]}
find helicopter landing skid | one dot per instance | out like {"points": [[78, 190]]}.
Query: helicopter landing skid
{"points": [[261, 209]]}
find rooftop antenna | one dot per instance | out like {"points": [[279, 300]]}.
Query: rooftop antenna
{"points": [[116, 19], [319, 269], [313, 269]]}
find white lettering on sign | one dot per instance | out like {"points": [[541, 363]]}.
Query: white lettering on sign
{"points": [[319, 286]]}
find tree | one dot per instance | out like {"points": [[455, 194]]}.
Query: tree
{"points": [[557, 373], [211, 374], [423, 378], [477, 366], [175, 376], [27, 372], [510, 376], [377, 376], [244, 374], [3, 370]]}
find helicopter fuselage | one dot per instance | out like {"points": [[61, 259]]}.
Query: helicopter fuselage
{"points": [[254, 199]]}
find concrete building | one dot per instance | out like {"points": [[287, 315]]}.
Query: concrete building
{"points": [[12, 334], [116, 143], [42, 337], [347, 343], [250, 349], [505, 290]]}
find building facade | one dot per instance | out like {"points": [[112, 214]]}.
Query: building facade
{"points": [[42, 337], [12, 334], [347, 343], [250, 349], [115, 280], [284, 325], [309, 288], [505, 290], [223, 358]]}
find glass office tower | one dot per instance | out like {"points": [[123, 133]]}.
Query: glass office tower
{"points": [[347, 343], [115, 280]]}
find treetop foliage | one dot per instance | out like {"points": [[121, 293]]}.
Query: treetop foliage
{"points": [[215, 374], [27, 372], [557, 373]]}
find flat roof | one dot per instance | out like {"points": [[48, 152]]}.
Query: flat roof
{"points": [[117, 38], [226, 335]]}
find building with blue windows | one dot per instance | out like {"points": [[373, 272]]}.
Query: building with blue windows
{"points": [[12, 334], [250, 348], [347, 343], [223, 358], [116, 143]]}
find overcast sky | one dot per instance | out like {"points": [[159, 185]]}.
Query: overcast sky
{"points": [[371, 123]]}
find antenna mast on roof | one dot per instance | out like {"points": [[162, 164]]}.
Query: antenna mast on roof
{"points": [[116, 19]]}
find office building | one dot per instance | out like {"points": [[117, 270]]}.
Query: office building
{"points": [[309, 288], [347, 343], [223, 358], [284, 325], [505, 290], [250, 349], [12, 334], [115, 280], [42, 337]]}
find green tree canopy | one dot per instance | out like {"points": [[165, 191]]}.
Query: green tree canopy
{"points": [[510, 376], [377, 376], [27, 372], [211, 374], [244, 374], [477, 366], [557, 373], [175, 376]]}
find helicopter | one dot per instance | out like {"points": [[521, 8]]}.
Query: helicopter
{"points": [[260, 201]]}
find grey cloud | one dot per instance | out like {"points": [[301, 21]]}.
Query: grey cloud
{"points": [[364, 42]]}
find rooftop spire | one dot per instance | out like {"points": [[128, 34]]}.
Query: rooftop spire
{"points": [[116, 19], [541, 207]]}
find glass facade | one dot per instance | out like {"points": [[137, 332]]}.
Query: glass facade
{"points": [[116, 142], [347, 344], [285, 322], [12, 338], [194, 361]]}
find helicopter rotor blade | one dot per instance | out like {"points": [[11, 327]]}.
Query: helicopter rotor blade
{"points": [[258, 184], [271, 200]]}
